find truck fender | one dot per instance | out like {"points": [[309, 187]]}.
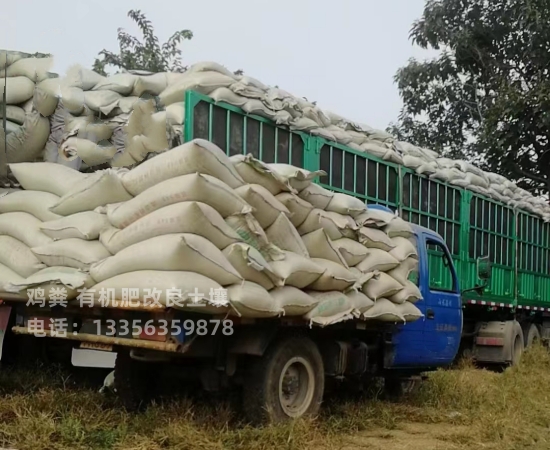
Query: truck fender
{"points": [[494, 342]]}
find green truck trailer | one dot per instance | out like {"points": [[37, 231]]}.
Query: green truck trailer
{"points": [[475, 227]]}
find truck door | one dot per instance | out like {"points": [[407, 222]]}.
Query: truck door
{"points": [[442, 304]]}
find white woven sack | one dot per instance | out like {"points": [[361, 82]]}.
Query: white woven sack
{"points": [[335, 278], [185, 217], [183, 252], [298, 178], [249, 231], [346, 205], [333, 307], [319, 245], [47, 177], [360, 302], [203, 82], [85, 225], [46, 96], [403, 270], [8, 276], [191, 187], [285, 236], [252, 266], [174, 288], [99, 189], [266, 207], [374, 238], [374, 218], [409, 312], [18, 89], [23, 227], [121, 83], [298, 208], [378, 260], [381, 286], [73, 252], [254, 171], [317, 195], [335, 225], [293, 301], [27, 143], [36, 203], [152, 84], [297, 270], [88, 151], [197, 155], [404, 249], [399, 228], [384, 311], [410, 293], [18, 257], [352, 251], [251, 300]]}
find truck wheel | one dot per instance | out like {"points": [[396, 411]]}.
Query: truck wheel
{"points": [[531, 335], [517, 349], [132, 381], [287, 382]]}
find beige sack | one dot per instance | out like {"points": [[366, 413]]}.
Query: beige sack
{"points": [[250, 232], [189, 291], [378, 260], [73, 252], [384, 311], [91, 153], [197, 155], [121, 83], [183, 252], [104, 102], [99, 189], [88, 127], [381, 286], [346, 205], [404, 249], [335, 225], [335, 277], [299, 209], [293, 301], [18, 89], [8, 276], [374, 218], [332, 307], [398, 227], [18, 257], [252, 266], [409, 312], [185, 217], [297, 270], [191, 187], [46, 96], [296, 177], [36, 203], [319, 245], [352, 251], [203, 82], [361, 303], [152, 84], [27, 143], [373, 238], [403, 270], [47, 177], [254, 171], [33, 68], [317, 195], [410, 293], [85, 225], [251, 300], [285, 236], [23, 227], [266, 207]]}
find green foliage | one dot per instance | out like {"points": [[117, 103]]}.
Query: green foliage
{"points": [[147, 54], [486, 96]]}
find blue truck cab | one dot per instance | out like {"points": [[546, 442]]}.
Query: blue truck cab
{"points": [[434, 340]]}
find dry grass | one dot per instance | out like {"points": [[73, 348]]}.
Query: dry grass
{"points": [[465, 408]]}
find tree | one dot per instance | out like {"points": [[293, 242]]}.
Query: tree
{"points": [[486, 96], [148, 54]]}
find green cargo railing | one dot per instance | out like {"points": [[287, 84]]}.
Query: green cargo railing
{"points": [[473, 226]]}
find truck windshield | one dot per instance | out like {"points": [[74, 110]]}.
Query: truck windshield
{"points": [[439, 268]]}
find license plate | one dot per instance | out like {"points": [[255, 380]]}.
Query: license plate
{"points": [[96, 346]]}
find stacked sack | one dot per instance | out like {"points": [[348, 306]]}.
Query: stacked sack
{"points": [[27, 130], [53, 228]]}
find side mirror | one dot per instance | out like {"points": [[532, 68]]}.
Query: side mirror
{"points": [[484, 268]]}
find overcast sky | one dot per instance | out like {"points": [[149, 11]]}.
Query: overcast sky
{"points": [[342, 54]]}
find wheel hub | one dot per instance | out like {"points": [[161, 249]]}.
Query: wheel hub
{"points": [[296, 387]]}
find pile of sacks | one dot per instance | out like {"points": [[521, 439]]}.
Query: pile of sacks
{"points": [[194, 220], [27, 130]]}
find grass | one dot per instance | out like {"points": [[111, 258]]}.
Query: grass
{"points": [[42, 408]]}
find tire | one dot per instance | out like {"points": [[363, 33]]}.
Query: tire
{"points": [[287, 382], [531, 336], [132, 382], [517, 348]]}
